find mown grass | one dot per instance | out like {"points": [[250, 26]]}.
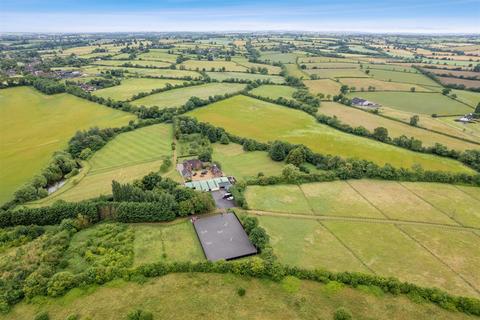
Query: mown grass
{"points": [[33, 126], [356, 118], [274, 91], [306, 243], [132, 86], [178, 97], [389, 252], [166, 242], [426, 103], [127, 157], [252, 118], [243, 165], [192, 296], [220, 76]]}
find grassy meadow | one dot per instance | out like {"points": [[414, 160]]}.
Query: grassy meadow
{"points": [[132, 86], [142, 63], [337, 73], [252, 118], [220, 76], [426, 103], [323, 86], [362, 84], [274, 91], [34, 126], [398, 76], [178, 97], [127, 157], [356, 118], [218, 65], [146, 72]]}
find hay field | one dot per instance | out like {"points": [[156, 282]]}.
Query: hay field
{"points": [[274, 91], [143, 63], [469, 84], [294, 71], [132, 86], [324, 86], [406, 77], [244, 62], [362, 84], [220, 76], [216, 65], [356, 117], [216, 295], [158, 55], [416, 102], [34, 126], [166, 73], [243, 165], [178, 97], [337, 73], [274, 56], [170, 242], [127, 157], [248, 117], [469, 97]]}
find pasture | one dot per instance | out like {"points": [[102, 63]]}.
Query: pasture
{"points": [[356, 117], [274, 91], [293, 70], [220, 76], [142, 63], [323, 86], [34, 126], [469, 97], [145, 72], [132, 86], [158, 55], [406, 77], [263, 121], [337, 73], [244, 62], [215, 295], [127, 157], [469, 84], [363, 84], [243, 165], [217, 65], [274, 56], [178, 97], [416, 102]]}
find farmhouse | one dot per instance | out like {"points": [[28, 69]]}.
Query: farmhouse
{"points": [[362, 103], [194, 169]]}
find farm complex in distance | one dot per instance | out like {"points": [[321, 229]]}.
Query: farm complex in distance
{"points": [[239, 175]]}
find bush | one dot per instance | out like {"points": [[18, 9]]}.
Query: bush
{"points": [[60, 283], [342, 314], [139, 315], [42, 316], [241, 292]]}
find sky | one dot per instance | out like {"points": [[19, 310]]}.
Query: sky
{"points": [[375, 16]]}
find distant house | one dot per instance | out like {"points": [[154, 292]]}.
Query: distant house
{"points": [[466, 118], [193, 164], [362, 103]]}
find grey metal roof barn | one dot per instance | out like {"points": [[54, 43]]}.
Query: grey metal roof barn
{"points": [[222, 237]]}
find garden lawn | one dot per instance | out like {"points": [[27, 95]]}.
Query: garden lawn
{"points": [[132, 86], [193, 296], [306, 243], [178, 97], [356, 118], [274, 91], [416, 102], [33, 126], [221, 76], [263, 121], [170, 242], [388, 251], [242, 164], [127, 157]]}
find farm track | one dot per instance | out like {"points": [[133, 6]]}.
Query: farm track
{"points": [[365, 220]]}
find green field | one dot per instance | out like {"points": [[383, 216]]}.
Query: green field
{"points": [[143, 63], [248, 117], [217, 65], [469, 97], [167, 73], [132, 86], [363, 84], [192, 296], [127, 157], [33, 126], [220, 76], [356, 118], [178, 97], [294, 71], [274, 91], [407, 77], [244, 62], [323, 86], [274, 56], [158, 54], [241, 164], [426, 103], [337, 73], [166, 242]]}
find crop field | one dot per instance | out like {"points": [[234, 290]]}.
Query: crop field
{"points": [[217, 65], [243, 165], [356, 117], [426, 103], [362, 84], [167, 73], [166, 242], [294, 71], [178, 97], [143, 63], [323, 86], [337, 73], [216, 294], [127, 157], [132, 86], [34, 126], [220, 76], [274, 91], [273, 56], [406, 77], [248, 117], [454, 73]]}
